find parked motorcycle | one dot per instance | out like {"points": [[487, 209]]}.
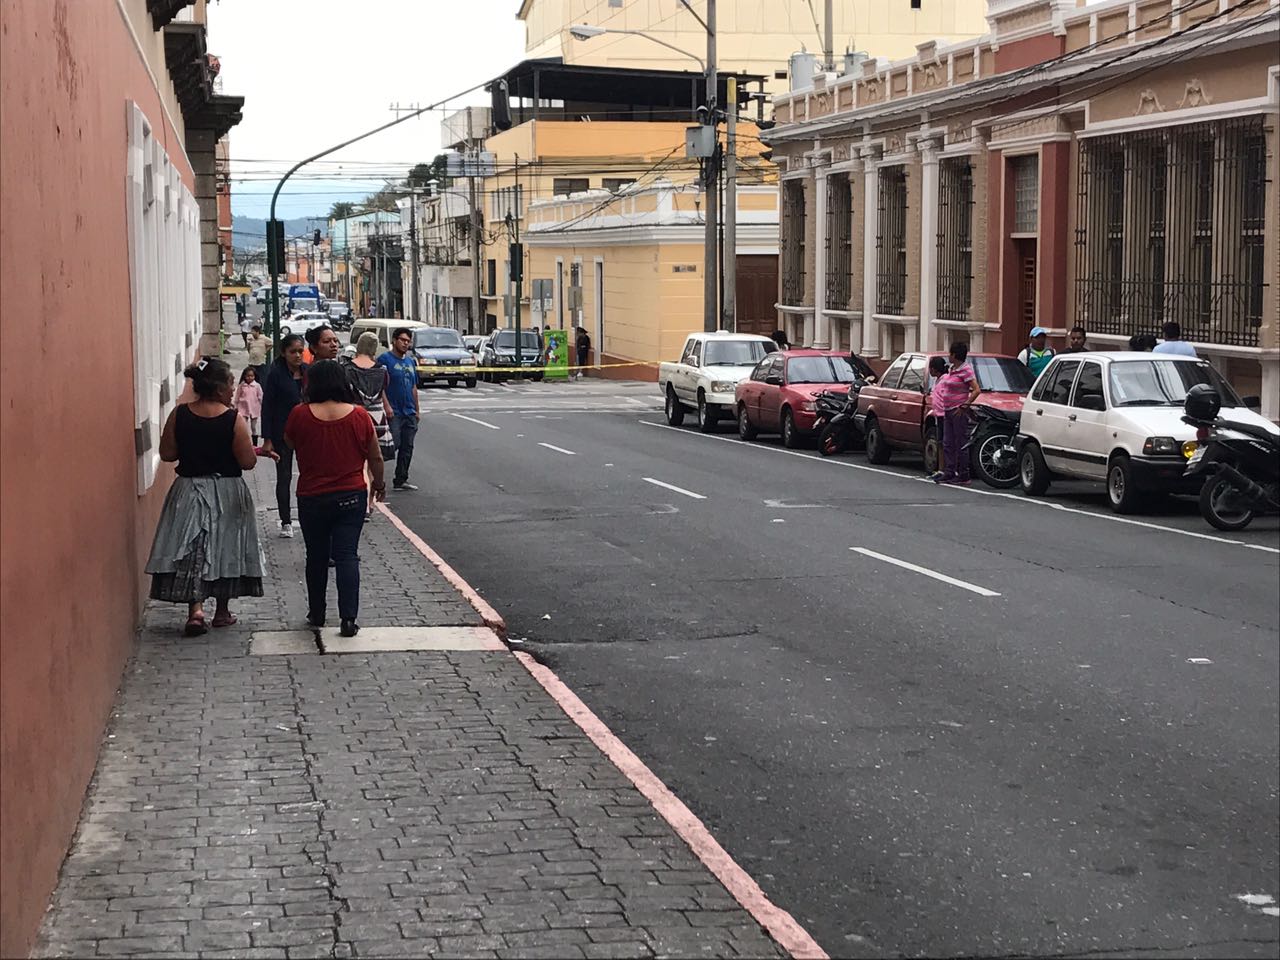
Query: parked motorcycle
{"points": [[993, 456], [836, 428], [1239, 461]]}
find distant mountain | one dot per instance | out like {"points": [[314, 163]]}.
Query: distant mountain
{"points": [[250, 233]]}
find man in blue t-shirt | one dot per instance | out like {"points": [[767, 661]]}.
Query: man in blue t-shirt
{"points": [[402, 396]]}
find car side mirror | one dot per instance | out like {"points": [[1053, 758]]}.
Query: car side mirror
{"points": [[1092, 402], [1253, 403], [773, 379]]}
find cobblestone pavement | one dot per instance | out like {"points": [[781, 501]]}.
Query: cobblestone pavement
{"points": [[385, 805]]}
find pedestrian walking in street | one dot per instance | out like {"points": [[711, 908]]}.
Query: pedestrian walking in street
{"points": [[258, 346], [322, 344], [281, 392], [368, 381], [245, 321], [1076, 340], [1142, 343], [583, 345], [1036, 355], [249, 401], [334, 439], [402, 395], [956, 390], [937, 370], [206, 543], [1173, 342]]}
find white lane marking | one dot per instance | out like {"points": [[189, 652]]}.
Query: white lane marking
{"points": [[671, 486], [474, 420], [552, 446], [783, 505], [982, 493], [962, 584], [1199, 660]]}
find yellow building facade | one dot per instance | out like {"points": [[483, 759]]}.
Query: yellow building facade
{"points": [[751, 36], [630, 274]]}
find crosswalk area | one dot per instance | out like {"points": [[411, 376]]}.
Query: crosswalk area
{"points": [[547, 397]]}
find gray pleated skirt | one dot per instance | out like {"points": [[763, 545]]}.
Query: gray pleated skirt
{"points": [[206, 543]]}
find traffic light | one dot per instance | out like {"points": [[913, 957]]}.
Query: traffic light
{"points": [[315, 237]]}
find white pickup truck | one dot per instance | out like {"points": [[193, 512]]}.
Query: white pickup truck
{"points": [[707, 373]]}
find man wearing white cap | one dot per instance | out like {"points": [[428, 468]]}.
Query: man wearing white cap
{"points": [[1035, 354]]}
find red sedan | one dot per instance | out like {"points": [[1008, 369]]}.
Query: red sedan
{"points": [[778, 396]]}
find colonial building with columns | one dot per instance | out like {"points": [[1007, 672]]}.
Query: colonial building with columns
{"points": [[1111, 164]]}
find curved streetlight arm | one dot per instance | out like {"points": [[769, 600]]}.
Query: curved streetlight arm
{"points": [[648, 36], [275, 277], [693, 13]]}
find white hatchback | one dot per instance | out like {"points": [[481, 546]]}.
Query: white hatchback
{"points": [[1117, 418]]}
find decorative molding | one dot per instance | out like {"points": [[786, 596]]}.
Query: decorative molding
{"points": [[1194, 95], [871, 87], [840, 153], [1148, 102], [933, 75], [893, 143]]}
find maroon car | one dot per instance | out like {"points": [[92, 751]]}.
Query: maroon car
{"points": [[894, 413], [778, 396]]}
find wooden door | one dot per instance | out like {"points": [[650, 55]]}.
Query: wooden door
{"points": [[757, 293], [1026, 260]]}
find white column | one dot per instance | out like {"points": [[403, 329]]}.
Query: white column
{"points": [[928, 242], [821, 335], [871, 206], [1271, 390]]}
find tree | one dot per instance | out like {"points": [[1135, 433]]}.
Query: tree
{"points": [[420, 174], [341, 210]]}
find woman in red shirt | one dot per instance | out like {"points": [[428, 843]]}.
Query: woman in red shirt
{"points": [[333, 439]]}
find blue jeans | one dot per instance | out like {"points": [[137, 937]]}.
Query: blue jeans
{"points": [[403, 432], [331, 524]]}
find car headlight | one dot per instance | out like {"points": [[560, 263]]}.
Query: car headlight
{"points": [[808, 406], [1161, 446], [723, 386], [1189, 447], [426, 362]]}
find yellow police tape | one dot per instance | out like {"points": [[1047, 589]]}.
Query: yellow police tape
{"points": [[448, 371]]}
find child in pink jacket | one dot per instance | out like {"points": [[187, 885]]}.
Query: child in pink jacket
{"points": [[249, 401]]}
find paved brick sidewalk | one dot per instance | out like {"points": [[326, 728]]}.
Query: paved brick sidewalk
{"points": [[367, 805]]}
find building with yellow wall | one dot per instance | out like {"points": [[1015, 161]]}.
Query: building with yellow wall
{"points": [[751, 36], [630, 273]]}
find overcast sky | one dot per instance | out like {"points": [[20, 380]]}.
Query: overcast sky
{"points": [[316, 72]]}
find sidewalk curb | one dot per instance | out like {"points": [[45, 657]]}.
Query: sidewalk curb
{"points": [[492, 619], [781, 926]]}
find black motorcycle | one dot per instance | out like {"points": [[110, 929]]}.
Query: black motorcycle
{"points": [[992, 453], [836, 428], [1239, 461]]}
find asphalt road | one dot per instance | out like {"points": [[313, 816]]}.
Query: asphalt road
{"points": [[1070, 747]]}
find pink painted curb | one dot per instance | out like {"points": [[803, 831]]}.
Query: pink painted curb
{"points": [[492, 619], [781, 925]]}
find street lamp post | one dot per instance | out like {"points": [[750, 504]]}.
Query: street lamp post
{"points": [[710, 179]]}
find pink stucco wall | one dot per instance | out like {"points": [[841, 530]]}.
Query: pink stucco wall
{"points": [[74, 530]]}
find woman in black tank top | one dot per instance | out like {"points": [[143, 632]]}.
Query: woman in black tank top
{"points": [[206, 543]]}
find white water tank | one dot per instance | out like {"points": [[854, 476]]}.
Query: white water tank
{"points": [[853, 61], [802, 67]]}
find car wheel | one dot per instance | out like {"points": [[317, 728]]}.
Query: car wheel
{"points": [[877, 449], [1220, 505], [452, 384], [471, 382], [1122, 493], [994, 459], [708, 414], [932, 450], [675, 412], [790, 435], [745, 430], [537, 377], [1033, 472]]}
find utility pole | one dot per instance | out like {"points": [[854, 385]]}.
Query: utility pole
{"points": [[710, 278], [413, 251], [516, 254], [730, 302], [828, 49], [476, 223]]}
